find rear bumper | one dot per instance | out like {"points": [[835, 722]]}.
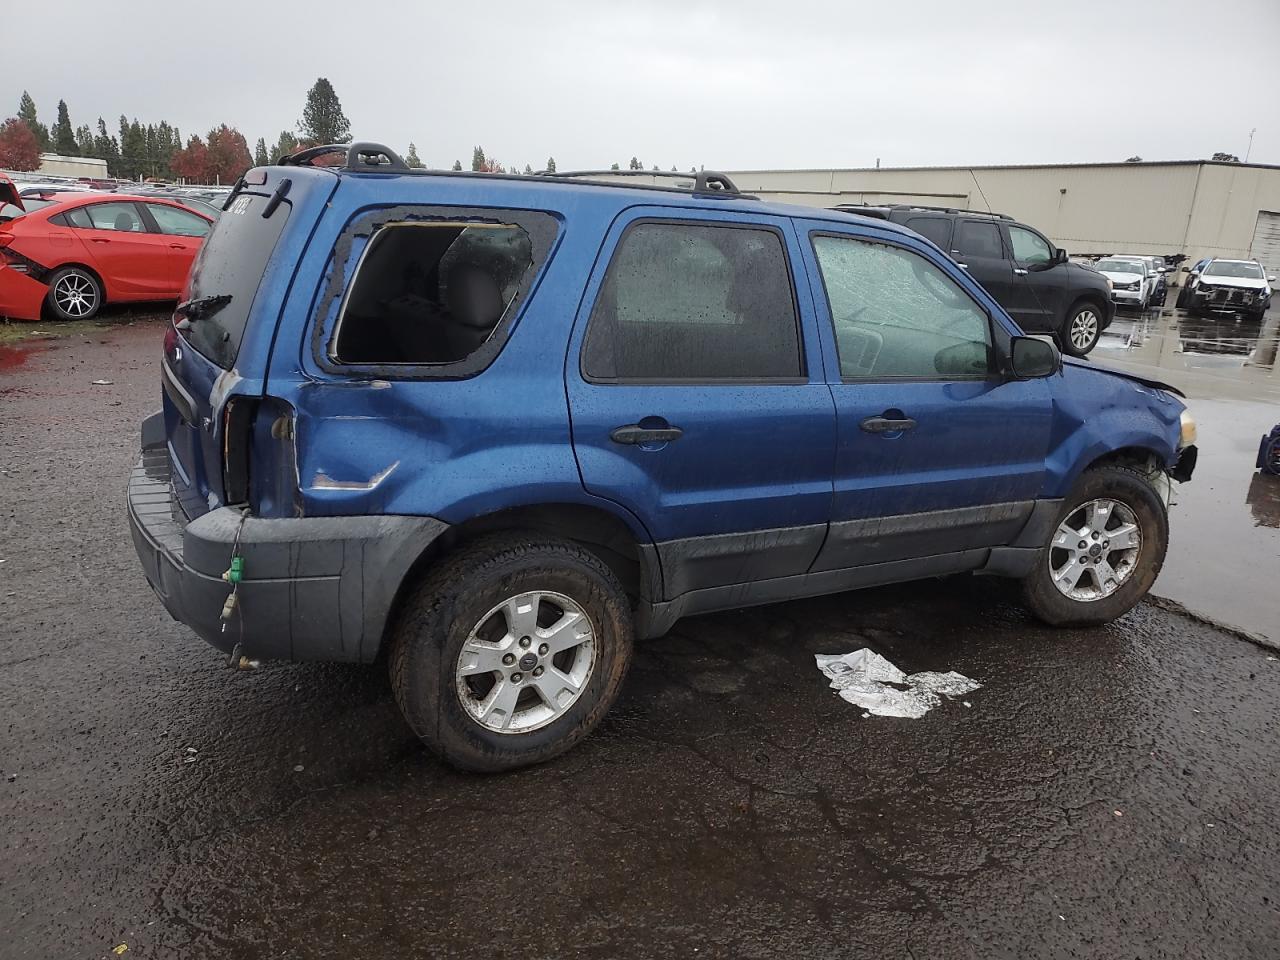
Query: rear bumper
{"points": [[21, 296], [315, 588]]}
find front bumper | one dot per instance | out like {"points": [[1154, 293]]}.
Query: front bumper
{"points": [[1228, 301], [314, 588], [1126, 297]]}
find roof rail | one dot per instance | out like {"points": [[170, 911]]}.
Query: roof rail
{"points": [[854, 207], [704, 181], [360, 156]]}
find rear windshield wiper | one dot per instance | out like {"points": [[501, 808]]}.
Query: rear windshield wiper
{"points": [[201, 307]]}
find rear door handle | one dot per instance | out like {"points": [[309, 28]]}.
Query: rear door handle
{"points": [[1019, 272], [177, 246], [633, 433], [885, 425], [99, 239]]}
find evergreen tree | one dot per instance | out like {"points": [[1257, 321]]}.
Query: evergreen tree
{"points": [[108, 148], [614, 166], [286, 145], [322, 118], [457, 165], [477, 159], [27, 114], [84, 141], [260, 156], [635, 164], [528, 170], [551, 164], [64, 136], [411, 158]]}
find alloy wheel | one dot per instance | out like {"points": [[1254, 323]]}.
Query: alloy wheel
{"points": [[76, 295], [1084, 329], [1095, 550], [526, 662]]}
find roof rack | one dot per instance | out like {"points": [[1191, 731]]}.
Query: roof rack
{"points": [[853, 207], [704, 181], [360, 156]]}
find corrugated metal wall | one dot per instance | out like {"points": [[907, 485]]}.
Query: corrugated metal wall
{"points": [[1196, 209]]}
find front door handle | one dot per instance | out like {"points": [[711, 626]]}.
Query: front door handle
{"points": [[886, 425], [634, 433], [177, 246], [99, 239], [1019, 272]]}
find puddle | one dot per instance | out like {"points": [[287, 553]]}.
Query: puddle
{"points": [[13, 356]]}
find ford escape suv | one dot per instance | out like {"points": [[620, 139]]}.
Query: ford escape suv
{"points": [[1035, 282], [493, 428]]}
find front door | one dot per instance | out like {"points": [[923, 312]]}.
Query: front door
{"points": [[1039, 283], [183, 232], [697, 395], [937, 455]]}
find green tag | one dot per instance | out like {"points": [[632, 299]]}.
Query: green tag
{"points": [[236, 573]]}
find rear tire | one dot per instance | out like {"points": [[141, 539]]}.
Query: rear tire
{"points": [[1083, 327], [461, 642], [1074, 586], [74, 294]]}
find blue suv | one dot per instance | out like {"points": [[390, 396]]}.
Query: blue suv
{"points": [[493, 428]]}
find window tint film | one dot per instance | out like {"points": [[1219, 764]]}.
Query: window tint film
{"points": [[936, 229], [113, 216], [977, 239], [1029, 247], [898, 315], [179, 223], [230, 264], [695, 302], [431, 292]]}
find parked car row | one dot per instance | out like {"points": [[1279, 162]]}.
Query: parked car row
{"points": [[66, 253]]}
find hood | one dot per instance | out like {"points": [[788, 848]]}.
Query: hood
{"points": [[1146, 382], [1242, 283], [1119, 278], [9, 193]]}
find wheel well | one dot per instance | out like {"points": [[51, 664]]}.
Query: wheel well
{"points": [[87, 269], [1139, 458], [1089, 298], [599, 531]]}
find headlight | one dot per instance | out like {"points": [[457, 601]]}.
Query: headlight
{"points": [[1188, 434], [1110, 285]]}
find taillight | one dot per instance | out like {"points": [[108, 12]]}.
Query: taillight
{"points": [[237, 440]]}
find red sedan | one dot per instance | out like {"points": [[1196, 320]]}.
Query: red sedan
{"points": [[78, 251]]}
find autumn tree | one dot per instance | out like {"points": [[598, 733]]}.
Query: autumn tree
{"points": [[226, 155], [192, 161], [27, 114], [411, 158], [64, 136], [19, 148], [260, 156], [322, 118]]}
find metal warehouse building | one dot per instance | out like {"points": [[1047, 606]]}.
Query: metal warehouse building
{"points": [[1198, 208]]}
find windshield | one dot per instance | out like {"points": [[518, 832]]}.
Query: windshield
{"points": [[1120, 266], [1233, 268], [226, 275]]}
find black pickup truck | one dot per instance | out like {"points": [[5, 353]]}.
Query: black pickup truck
{"points": [[1029, 276]]}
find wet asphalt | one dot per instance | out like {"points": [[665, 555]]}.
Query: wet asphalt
{"points": [[1107, 793]]}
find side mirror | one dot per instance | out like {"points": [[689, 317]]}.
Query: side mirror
{"points": [[1031, 357], [1271, 279], [1059, 256]]}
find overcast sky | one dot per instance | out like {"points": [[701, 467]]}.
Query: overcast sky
{"points": [[739, 85]]}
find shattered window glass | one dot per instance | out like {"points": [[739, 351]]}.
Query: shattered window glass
{"points": [[431, 292], [898, 315], [695, 302]]}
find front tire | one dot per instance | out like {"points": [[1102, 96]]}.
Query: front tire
{"points": [[1082, 329], [511, 651], [1105, 552], [74, 294]]}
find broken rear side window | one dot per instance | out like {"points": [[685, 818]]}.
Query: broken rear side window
{"points": [[432, 292]]}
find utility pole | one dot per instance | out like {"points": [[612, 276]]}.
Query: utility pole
{"points": [[1250, 148]]}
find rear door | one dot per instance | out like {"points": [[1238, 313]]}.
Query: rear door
{"points": [[697, 397], [183, 231], [976, 245], [937, 455], [132, 262]]}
